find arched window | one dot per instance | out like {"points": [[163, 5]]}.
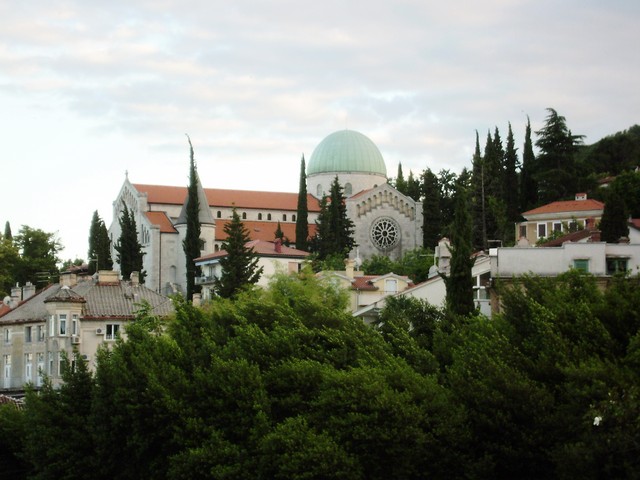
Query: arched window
{"points": [[348, 189], [284, 217], [319, 191], [293, 217], [259, 216], [219, 214], [268, 216], [244, 215]]}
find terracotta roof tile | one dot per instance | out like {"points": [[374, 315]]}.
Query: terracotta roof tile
{"points": [[364, 282], [218, 197], [571, 237], [567, 206], [262, 248], [162, 220], [263, 230]]}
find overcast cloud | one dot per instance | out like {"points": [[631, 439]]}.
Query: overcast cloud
{"points": [[91, 90]]}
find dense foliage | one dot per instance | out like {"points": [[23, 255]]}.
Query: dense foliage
{"points": [[283, 383]]}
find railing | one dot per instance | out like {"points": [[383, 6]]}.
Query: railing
{"points": [[204, 280]]}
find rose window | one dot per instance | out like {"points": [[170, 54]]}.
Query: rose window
{"points": [[385, 233]]}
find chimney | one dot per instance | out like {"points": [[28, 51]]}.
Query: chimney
{"points": [[349, 267], [444, 254], [107, 277], [278, 245], [581, 196], [16, 295], [135, 279], [28, 291], [68, 279]]}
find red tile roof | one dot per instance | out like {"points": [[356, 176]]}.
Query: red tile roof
{"points": [[573, 237], [264, 249], [635, 222], [567, 206], [263, 230], [219, 197], [364, 282], [162, 220]]}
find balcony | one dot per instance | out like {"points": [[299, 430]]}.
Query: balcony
{"points": [[205, 280]]}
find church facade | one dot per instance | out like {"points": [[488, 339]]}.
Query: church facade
{"points": [[386, 221]]}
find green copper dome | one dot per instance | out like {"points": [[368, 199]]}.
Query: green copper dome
{"points": [[346, 151]]}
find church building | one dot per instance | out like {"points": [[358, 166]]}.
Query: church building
{"points": [[386, 221]]}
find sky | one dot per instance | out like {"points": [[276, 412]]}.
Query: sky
{"points": [[93, 91]]}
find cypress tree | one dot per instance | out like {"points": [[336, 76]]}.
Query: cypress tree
{"points": [[334, 231], [613, 224], [478, 198], [7, 231], [302, 217], [459, 283], [431, 211], [413, 187], [401, 184], [510, 186], [99, 254], [279, 233], [240, 265], [191, 242], [528, 185], [129, 250]]}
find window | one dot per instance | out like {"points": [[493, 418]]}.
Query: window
{"points": [[385, 233], [319, 191], [268, 216], [40, 330], [28, 367], [259, 216], [574, 226], [203, 243], [348, 189], [7, 335], [616, 265], [52, 325], [74, 324], [50, 359], [218, 214], [27, 334], [40, 361], [244, 215], [390, 286], [523, 231], [112, 331], [62, 320], [293, 217], [557, 227], [482, 282], [581, 264], [542, 230], [7, 370], [284, 217]]}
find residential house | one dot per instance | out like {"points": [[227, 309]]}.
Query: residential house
{"points": [[557, 217], [273, 257], [79, 313]]}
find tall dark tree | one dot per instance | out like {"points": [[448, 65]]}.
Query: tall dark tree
{"points": [[510, 186], [99, 255], [431, 210], [279, 234], [413, 187], [556, 162], [401, 183], [130, 254], [302, 214], [7, 231], [613, 224], [240, 265], [478, 198], [459, 282], [191, 242], [528, 185], [334, 233]]}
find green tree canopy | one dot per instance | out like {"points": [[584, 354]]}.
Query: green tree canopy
{"points": [[38, 256], [130, 254], [613, 224]]}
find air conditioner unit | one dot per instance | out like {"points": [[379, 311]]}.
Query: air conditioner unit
{"points": [[99, 331], [75, 339]]}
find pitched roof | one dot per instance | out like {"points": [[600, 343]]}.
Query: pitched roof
{"points": [[573, 237], [162, 220], [120, 300], [262, 248], [567, 206], [218, 197], [205, 217], [262, 230]]}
